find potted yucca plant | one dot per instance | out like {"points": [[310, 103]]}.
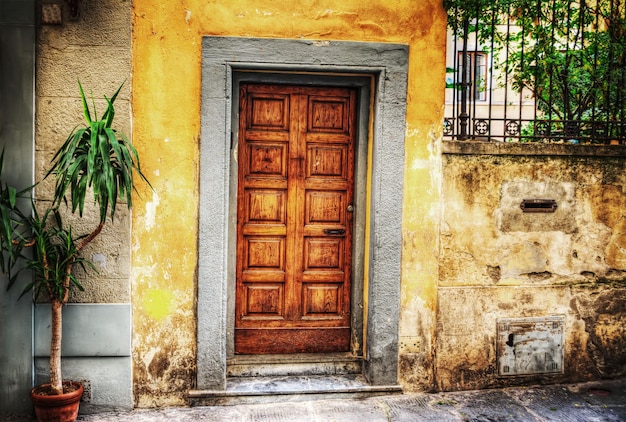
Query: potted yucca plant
{"points": [[95, 161]]}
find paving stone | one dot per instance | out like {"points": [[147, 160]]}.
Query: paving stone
{"points": [[344, 410], [488, 406], [557, 403], [427, 408], [589, 402]]}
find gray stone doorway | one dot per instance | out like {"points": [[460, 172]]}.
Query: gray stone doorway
{"points": [[380, 72]]}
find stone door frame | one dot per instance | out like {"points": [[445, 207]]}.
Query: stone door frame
{"points": [[222, 58]]}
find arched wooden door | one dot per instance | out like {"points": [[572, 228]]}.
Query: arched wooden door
{"points": [[294, 219]]}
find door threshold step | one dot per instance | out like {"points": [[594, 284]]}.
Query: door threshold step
{"points": [[298, 364], [296, 357], [254, 390]]}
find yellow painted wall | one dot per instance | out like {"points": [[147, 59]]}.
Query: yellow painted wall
{"points": [[166, 90]]}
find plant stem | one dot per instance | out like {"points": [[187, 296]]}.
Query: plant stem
{"points": [[91, 236], [56, 380]]}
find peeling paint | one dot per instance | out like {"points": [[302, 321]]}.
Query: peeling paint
{"points": [[151, 208], [324, 14], [263, 12], [148, 356], [321, 43], [373, 25], [329, 12]]}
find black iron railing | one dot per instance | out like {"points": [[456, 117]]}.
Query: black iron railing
{"points": [[536, 71]]}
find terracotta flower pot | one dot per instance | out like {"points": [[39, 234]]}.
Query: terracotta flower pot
{"points": [[56, 408]]}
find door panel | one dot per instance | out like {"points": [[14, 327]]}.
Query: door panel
{"points": [[294, 224]]}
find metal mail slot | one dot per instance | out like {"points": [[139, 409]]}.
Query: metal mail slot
{"points": [[538, 205]]}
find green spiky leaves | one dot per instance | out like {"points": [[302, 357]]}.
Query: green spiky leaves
{"points": [[94, 158], [98, 158]]}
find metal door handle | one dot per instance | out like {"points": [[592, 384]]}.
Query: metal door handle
{"points": [[334, 231]]}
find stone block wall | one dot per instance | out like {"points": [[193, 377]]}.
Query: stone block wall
{"points": [[93, 47]]}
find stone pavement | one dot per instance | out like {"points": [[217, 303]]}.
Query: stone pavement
{"points": [[587, 402]]}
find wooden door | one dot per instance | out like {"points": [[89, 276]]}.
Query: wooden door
{"points": [[294, 219]]}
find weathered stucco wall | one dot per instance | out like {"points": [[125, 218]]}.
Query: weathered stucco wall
{"points": [[498, 262], [166, 91]]}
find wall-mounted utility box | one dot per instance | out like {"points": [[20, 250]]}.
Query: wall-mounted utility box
{"points": [[528, 346]]}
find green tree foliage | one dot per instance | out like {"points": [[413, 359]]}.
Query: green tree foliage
{"points": [[571, 55]]}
